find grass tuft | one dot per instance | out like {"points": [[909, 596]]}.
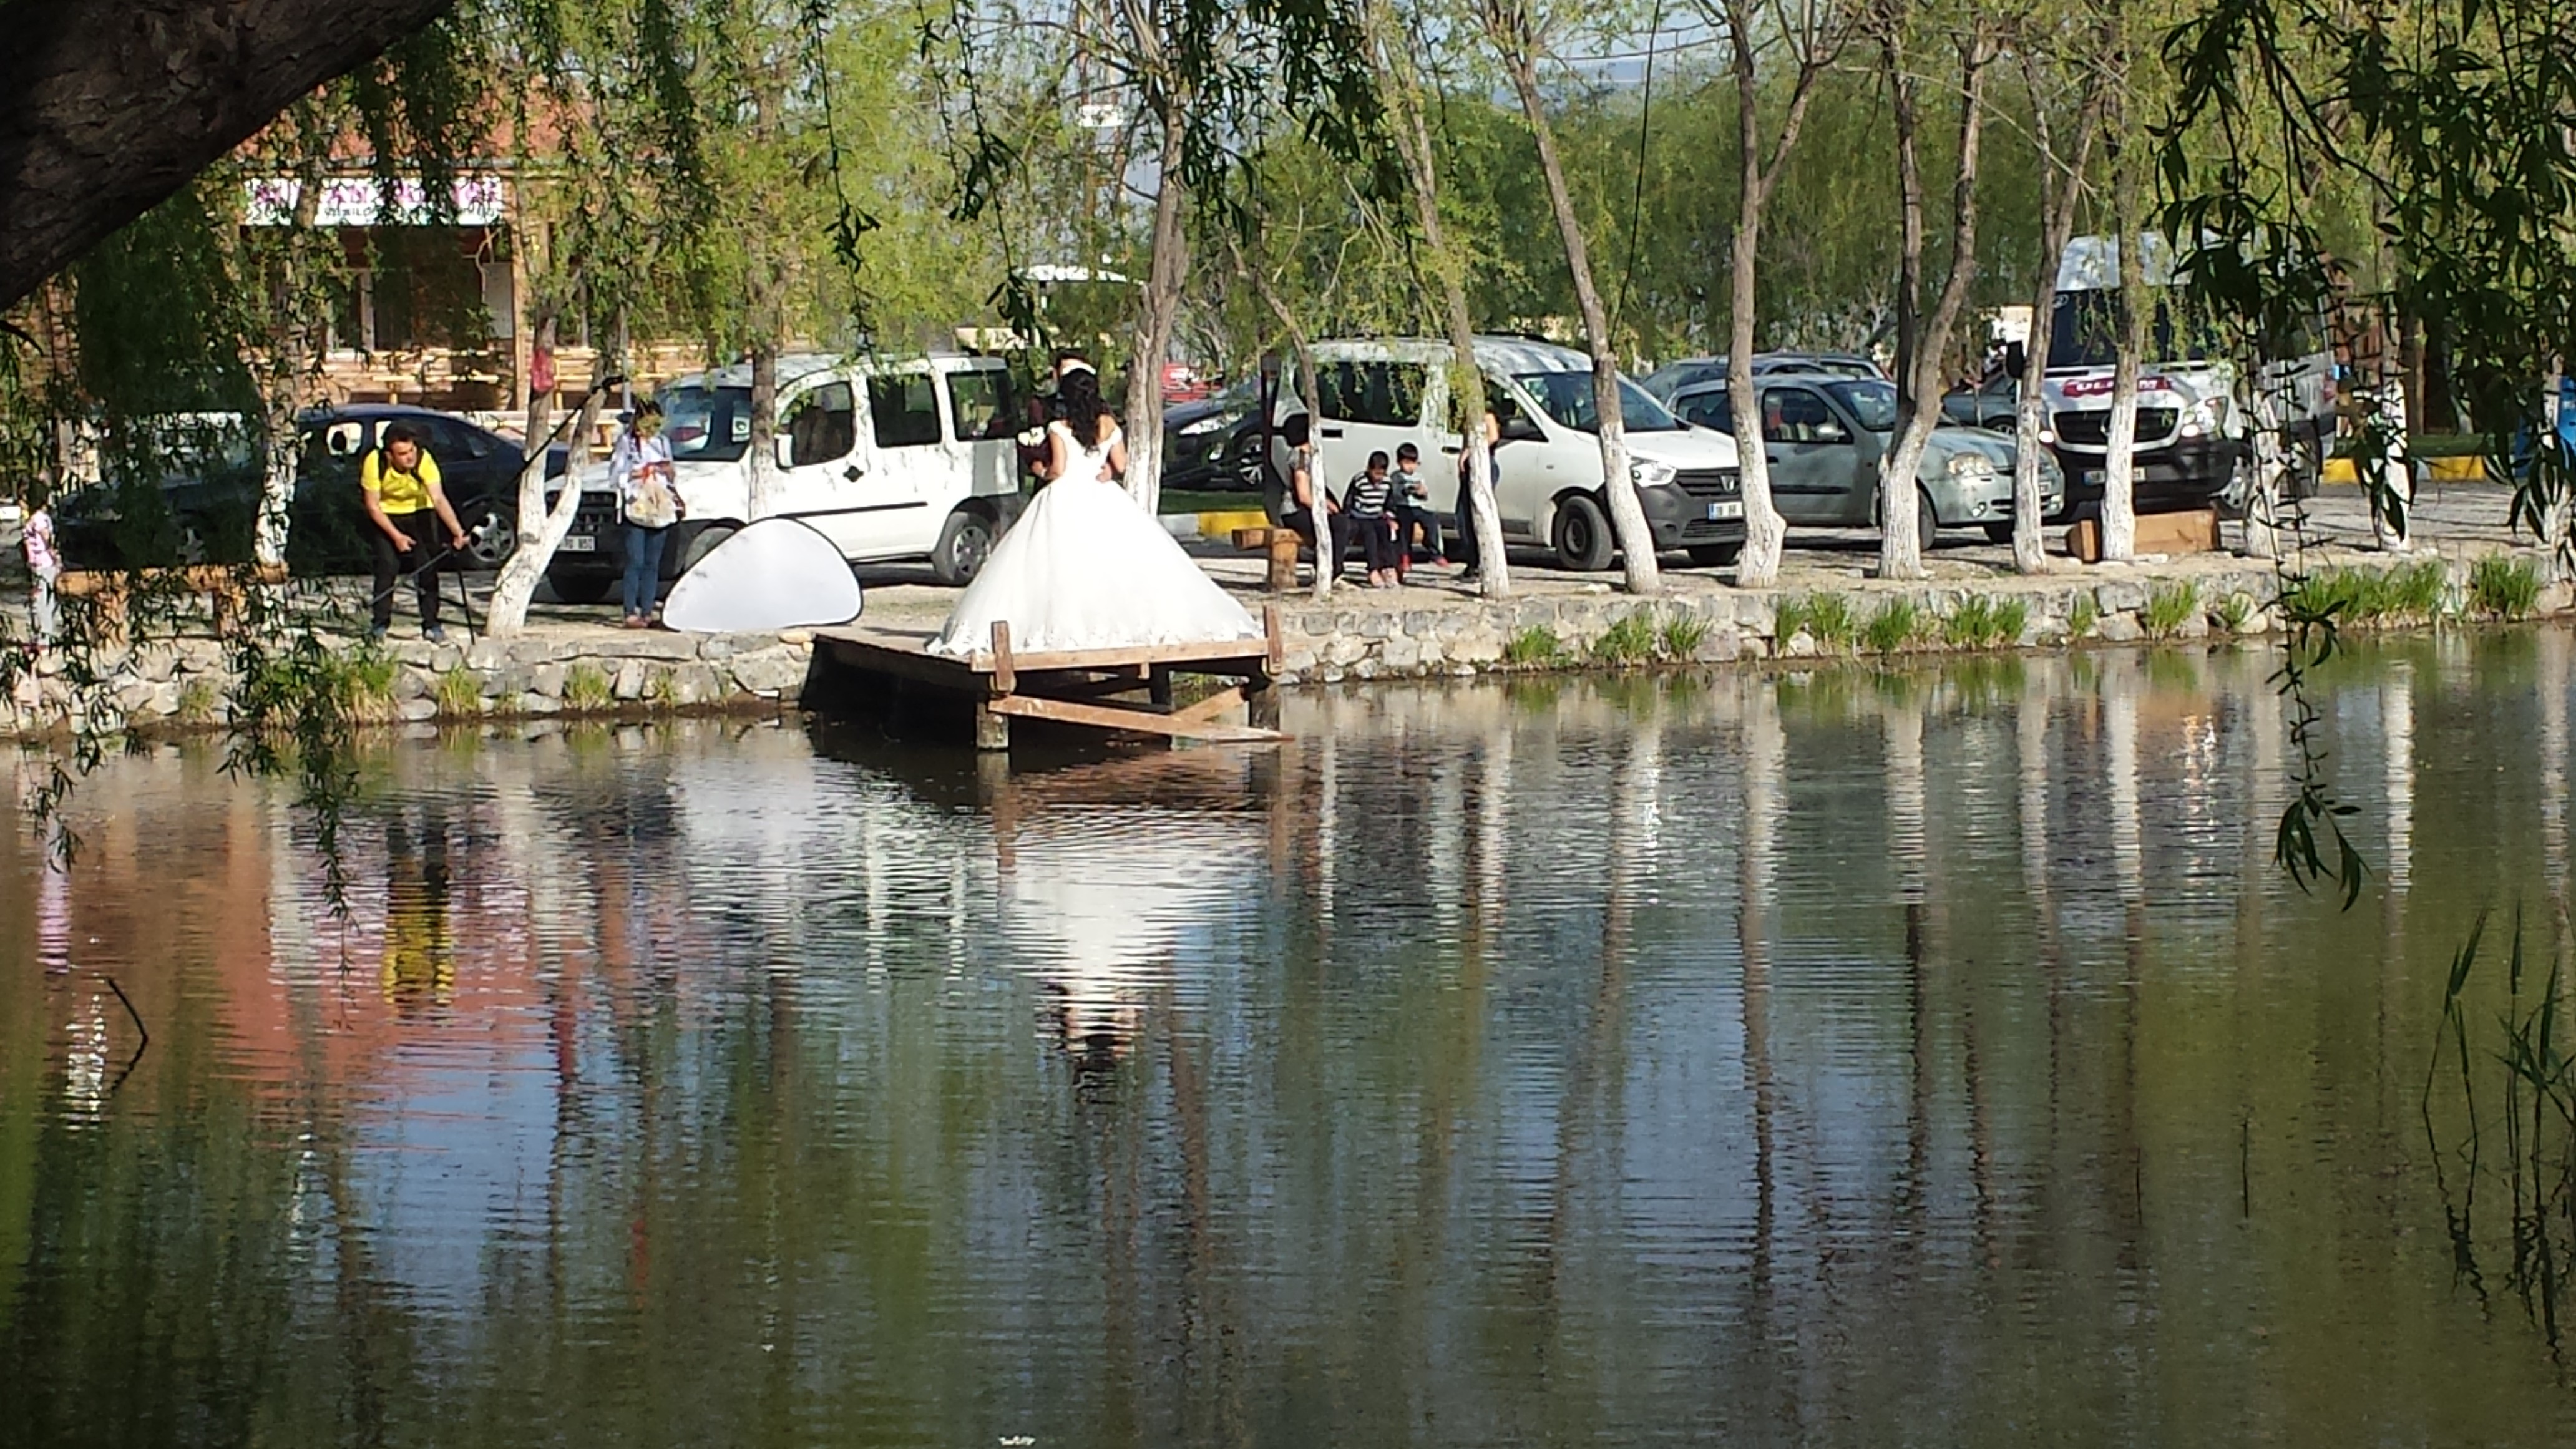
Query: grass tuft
{"points": [[1681, 636], [587, 689], [2169, 607], [459, 693], [1535, 647], [1896, 625], [2504, 588], [1983, 623], [2084, 616], [1630, 641], [2368, 596]]}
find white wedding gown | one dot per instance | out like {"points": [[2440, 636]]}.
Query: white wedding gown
{"points": [[1085, 568]]}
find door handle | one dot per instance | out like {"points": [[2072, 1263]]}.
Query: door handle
{"points": [[1770, 457], [1330, 432], [853, 473]]}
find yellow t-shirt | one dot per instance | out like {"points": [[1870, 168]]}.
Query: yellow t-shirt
{"points": [[398, 491]]}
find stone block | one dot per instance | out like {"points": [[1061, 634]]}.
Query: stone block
{"points": [[442, 658], [1723, 644], [535, 703], [1400, 654], [2120, 596], [777, 670], [416, 709], [1422, 623], [2119, 629], [653, 645], [629, 683], [411, 683], [484, 655], [547, 679], [694, 684], [1376, 626]]}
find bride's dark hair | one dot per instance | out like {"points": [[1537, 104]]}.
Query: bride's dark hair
{"points": [[1077, 395]]}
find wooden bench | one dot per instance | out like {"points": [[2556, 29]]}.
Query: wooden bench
{"points": [[224, 585], [1282, 545]]}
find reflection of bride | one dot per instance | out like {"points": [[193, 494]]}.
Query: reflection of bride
{"points": [[1085, 568]]}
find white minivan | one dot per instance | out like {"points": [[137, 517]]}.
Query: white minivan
{"points": [[1375, 395], [889, 459]]}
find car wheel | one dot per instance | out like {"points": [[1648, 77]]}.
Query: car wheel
{"points": [[701, 541], [1582, 535], [1927, 524], [1716, 555], [580, 588], [491, 535], [965, 542], [1999, 532]]}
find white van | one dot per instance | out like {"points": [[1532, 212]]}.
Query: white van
{"points": [[2194, 424], [890, 460], [1375, 395]]}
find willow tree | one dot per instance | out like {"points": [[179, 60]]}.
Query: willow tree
{"points": [[1923, 345], [1512, 26], [1393, 63], [2066, 105], [1814, 33]]}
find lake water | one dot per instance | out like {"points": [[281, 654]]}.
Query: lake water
{"points": [[1917, 1058]]}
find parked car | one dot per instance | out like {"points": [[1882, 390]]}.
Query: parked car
{"points": [[1824, 434], [208, 512], [478, 470], [889, 459], [1671, 378], [1372, 395], [1205, 443]]}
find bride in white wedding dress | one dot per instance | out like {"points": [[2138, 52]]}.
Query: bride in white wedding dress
{"points": [[1085, 568]]}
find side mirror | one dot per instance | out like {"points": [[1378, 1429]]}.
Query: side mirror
{"points": [[1521, 430], [2016, 359], [784, 448]]}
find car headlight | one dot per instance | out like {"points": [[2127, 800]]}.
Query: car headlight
{"points": [[1205, 426], [2204, 418], [1971, 465], [1650, 475]]}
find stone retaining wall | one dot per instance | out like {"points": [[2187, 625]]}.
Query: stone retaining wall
{"points": [[187, 683], [1356, 637]]}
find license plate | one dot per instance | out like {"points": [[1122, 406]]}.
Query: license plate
{"points": [[1718, 511], [580, 543]]}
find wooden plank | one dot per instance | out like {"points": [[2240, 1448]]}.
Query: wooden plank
{"points": [[1136, 721], [2193, 530], [937, 670], [198, 578], [1209, 708], [1005, 678], [1239, 657], [1275, 649]]}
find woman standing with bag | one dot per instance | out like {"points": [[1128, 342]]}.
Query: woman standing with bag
{"points": [[648, 494]]}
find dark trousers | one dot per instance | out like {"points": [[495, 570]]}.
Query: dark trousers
{"points": [[1469, 550], [421, 562], [1374, 533], [1408, 517], [643, 580]]}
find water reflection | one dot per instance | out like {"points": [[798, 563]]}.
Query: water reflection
{"points": [[1827, 1057]]}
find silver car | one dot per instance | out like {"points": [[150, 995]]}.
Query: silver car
{"points": [[1824, 435]]}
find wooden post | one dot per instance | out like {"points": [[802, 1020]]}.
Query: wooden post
{"points": [[992, 727], [1261, 695], [1158, 685], [1284, 544]]}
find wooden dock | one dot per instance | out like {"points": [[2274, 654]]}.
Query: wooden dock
{"points": [[1122, 691]]}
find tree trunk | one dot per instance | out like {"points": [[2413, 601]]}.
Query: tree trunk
{"points": [[763, 454], [289, 371], [1920, 385], [542, 529], [1466, 380], [108, 107], [2120, 451], [1618, 482], [1156, 312], [1765, 531], [2061, 190], [1900, 555]]}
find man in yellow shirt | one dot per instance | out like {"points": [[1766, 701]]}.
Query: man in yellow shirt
{"points": [[406, 504]]}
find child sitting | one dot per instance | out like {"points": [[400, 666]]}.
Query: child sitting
{"points": [[1364, 518]]}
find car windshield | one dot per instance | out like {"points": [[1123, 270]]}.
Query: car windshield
{"points": [[1872, 402], [1567, 397], [707, 424], [2086, 328]]}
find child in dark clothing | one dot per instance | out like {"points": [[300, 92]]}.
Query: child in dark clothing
{"points": [[1411, 505], [1364, 518]]}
